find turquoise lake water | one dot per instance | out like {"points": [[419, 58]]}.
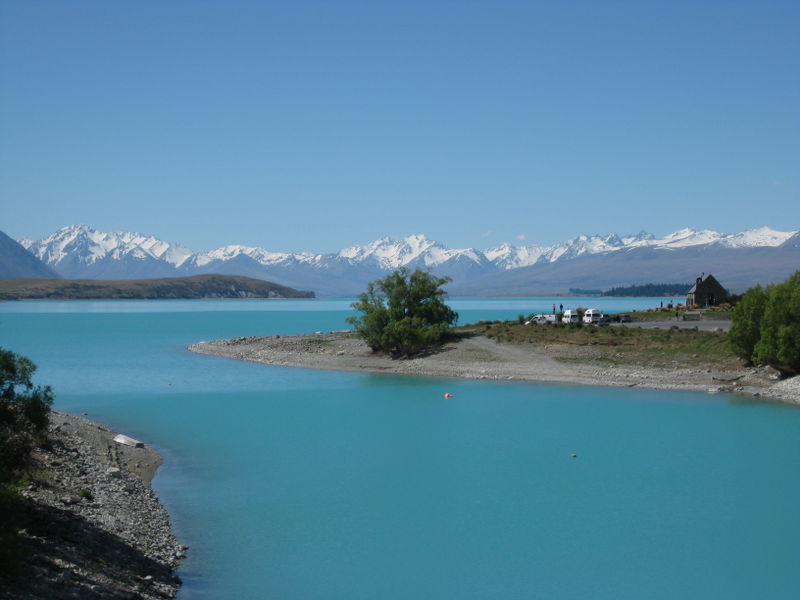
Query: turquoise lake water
{"points": [[303, 484]]}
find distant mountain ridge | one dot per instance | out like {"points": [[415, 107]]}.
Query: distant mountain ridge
{"points": [[16, 261], [80, 251]]}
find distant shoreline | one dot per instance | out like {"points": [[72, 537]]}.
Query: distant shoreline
{"points": [[477, 357], [195, 287]]}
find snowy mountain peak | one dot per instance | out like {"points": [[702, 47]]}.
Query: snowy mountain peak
{"points": [[689, 237], [752, 238], [391, 253], [261, 256], [81, 251], [637, 239], [89, 245]]}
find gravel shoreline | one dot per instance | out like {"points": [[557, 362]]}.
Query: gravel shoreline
{"points": [[477, 357], [94, 527]]}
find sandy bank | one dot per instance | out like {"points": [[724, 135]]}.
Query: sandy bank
{"points": [[114, 539], [482, 358]]}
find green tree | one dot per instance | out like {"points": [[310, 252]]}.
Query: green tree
{"points": [[24, 411], [746, 323], [779, 344], [404, 313]]}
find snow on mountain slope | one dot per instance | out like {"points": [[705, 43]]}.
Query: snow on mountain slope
{"points": [[752, 238], [507, 256], [418, 250], [756, 238], [79, 250], [89, 246], [261, 256], [512, 257], [686, 237]]}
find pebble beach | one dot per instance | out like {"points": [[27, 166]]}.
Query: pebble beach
{"points": [[94, 528], [477, 357]]}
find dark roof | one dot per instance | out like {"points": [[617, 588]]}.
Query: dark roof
{"points": [[702, 279]]}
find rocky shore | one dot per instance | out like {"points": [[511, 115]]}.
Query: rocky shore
{"points": [[478, 357], [94, 529]]}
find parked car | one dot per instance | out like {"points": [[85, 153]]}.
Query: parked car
{"points": [[604, 320], [623, 318]]}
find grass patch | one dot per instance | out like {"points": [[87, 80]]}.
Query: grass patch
{"points": [[668, 315], [317, 344], [686, 348]]}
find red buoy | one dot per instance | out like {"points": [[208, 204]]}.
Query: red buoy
{"points": [[448, 395]]}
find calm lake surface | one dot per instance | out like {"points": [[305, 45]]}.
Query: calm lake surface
{"points": [[301, 484]]}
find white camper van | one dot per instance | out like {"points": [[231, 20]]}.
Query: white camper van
{"points": [[542, 319], [570, 316], [592, 315]]}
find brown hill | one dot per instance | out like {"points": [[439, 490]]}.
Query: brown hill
{"points": [[194, 287]]}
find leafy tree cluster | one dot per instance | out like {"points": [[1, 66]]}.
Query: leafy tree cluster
{"points": [[24, 411], [650, 290], [404, 313], [766, 326], [585, 292]]}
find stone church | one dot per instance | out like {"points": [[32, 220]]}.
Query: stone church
{"points": [[706, 291]]}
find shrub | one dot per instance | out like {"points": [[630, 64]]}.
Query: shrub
{"points": [[746, 325], [24, 412], [404, 313], [779, 342]]}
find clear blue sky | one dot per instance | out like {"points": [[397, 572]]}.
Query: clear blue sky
{"points": [[314, 125]]}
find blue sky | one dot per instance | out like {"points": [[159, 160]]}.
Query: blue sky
{"points": [[314, 125]]}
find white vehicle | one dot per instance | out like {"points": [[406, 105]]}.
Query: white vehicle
{"points": [[570, 316], [592, 315], [541, 319]]}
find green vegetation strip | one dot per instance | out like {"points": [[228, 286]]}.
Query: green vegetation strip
{"points": [[618, 345]]}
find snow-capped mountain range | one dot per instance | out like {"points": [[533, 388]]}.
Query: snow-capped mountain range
{"points": [[79, 251]]}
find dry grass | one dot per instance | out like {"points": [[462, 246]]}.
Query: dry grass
{"points": [[618, 345]]}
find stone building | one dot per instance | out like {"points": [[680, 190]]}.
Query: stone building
{"points": [[706, 291]]}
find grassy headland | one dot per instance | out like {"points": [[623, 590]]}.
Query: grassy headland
{"points": [[618, 345]]}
